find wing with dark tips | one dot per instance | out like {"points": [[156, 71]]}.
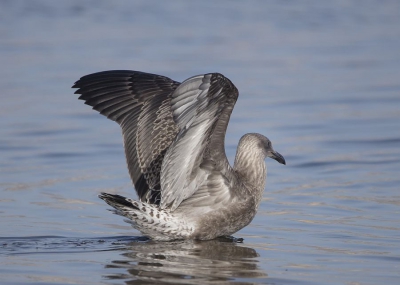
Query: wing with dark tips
{"points": [[201, 108], [140, 103]]}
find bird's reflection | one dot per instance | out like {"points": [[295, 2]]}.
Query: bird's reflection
{"points": [[217, 261]]}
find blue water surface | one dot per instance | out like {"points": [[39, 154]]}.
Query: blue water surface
{"points": [[320, 79]]}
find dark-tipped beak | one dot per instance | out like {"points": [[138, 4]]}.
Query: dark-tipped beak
{"points": [[278, 157]]}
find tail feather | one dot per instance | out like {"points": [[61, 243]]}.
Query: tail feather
{"points": [[149, 219], [113, 200]]}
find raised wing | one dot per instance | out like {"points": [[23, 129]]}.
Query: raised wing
{"points": [[140, 103], [201, 107], [214, 189]]}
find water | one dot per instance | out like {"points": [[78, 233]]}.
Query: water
{"points": [[320, 79]]}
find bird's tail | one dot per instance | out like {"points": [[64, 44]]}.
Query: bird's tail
{"points": [[149, 219]]}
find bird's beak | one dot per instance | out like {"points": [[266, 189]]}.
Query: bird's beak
{"points": [[278, 157]]}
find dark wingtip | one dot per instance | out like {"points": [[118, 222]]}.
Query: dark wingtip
{"points": [[77, 84]]}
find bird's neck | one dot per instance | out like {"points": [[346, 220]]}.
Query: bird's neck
{"points": [[250, 166]]}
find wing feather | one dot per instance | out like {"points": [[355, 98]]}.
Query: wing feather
{"points": [[200, 106], [139, 103], [173, 133]]}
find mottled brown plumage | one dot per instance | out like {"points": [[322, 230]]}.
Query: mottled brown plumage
{"points": [[140, 103], [174, 138]]}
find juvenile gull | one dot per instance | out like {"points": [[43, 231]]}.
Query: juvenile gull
{"points": [[174, 139]]}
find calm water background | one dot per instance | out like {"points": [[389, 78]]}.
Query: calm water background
{"points": [[321, 79]]}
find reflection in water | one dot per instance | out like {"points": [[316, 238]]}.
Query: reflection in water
{"points": [[220, 261], [188, 262]]}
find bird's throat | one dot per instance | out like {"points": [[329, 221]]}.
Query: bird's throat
{"points": [[251, 167]]}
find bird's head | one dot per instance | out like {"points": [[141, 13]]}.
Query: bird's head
{"points": [[264, 145]]}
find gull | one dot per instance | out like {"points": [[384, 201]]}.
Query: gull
{"points": [[174, 140]]}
